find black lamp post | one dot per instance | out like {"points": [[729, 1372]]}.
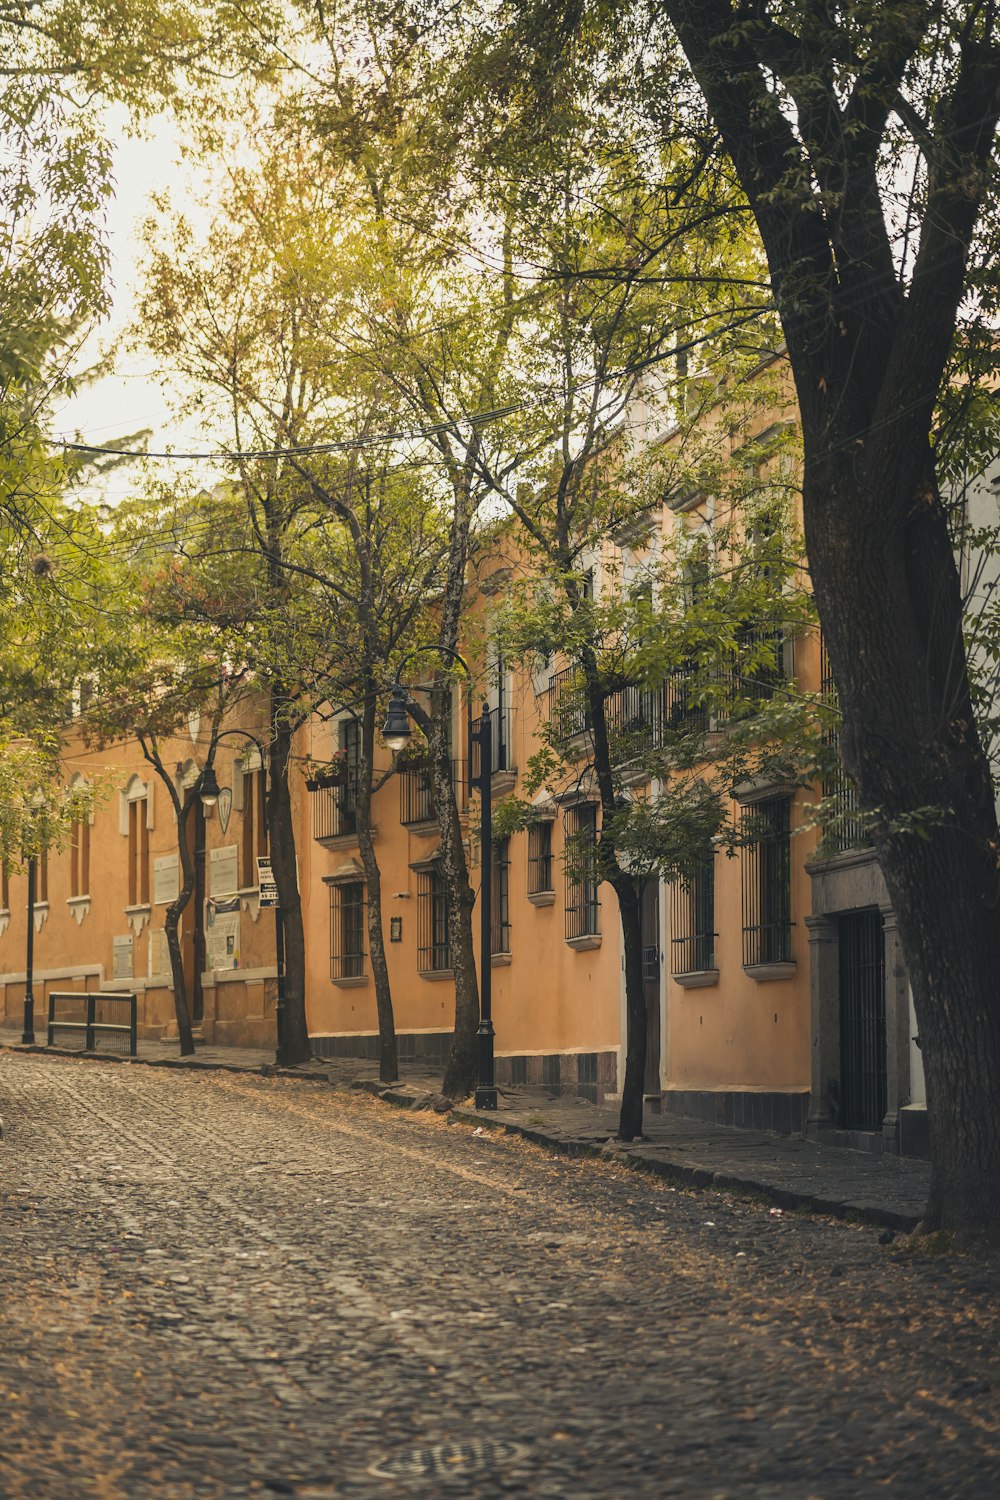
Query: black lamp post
{"points": [[28, 1035], [396, 734], [208, 791]]}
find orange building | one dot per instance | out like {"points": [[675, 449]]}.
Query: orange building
{"points": [[746, 968]]}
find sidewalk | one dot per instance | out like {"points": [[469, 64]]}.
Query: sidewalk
{"points": [[888, 1191]]}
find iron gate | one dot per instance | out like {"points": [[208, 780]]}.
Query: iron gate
{"points": [[862, 1021]]}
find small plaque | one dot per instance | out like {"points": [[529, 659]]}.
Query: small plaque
{"points": [[122, 958], [223, 866], [166, 879]]}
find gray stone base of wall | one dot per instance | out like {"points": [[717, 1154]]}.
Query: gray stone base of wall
{"points": [[914, 1136], [429, 1047], [592, 1075], [780, 1112]]}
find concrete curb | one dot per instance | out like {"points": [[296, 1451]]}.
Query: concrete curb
{"points": [[658, 1163]]}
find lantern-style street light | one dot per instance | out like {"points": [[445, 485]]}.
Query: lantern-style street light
{"points": [[396, 734]]}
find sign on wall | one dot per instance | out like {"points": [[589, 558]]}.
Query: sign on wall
{"points": [[266, 884], [121, 958], [224, 806], [159, 953], [223, 870], [222, 934], [166, 878]]}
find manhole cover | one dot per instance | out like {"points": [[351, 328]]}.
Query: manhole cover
{"points": [[442, 1459]]}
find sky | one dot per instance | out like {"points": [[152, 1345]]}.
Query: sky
{"points": [[134, 397]]}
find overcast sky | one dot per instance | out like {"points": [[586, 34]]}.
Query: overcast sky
{"points": [[133, 398]]}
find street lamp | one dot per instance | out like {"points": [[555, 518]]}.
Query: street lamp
{"points": [[28, 1033], [396, 734], [208, 791]]}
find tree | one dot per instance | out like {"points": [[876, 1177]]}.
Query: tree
{"points": [[339, 539], [165, 669], [666, 646], [819, 110]]}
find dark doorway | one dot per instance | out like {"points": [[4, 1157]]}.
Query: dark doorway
{"points": [[863, 1088], [193, 920], [651, 982]]}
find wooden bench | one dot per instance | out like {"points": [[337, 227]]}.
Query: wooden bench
{"points": [[91, 1026]]}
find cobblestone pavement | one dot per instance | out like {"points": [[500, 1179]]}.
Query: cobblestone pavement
{"points": [[221, 1285]]}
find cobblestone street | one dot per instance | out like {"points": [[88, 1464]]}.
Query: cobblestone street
{"points": [[222, 1285]]}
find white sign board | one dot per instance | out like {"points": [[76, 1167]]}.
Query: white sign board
{"points": [[223, 870], [222, 935], [121, 958], [266, 884], [166, 877], [159, 953]]}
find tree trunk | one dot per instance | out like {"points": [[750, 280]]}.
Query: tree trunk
{"points": [[462, 1067], [293, 1044], [869, 353], [892, 615], [630, 909], [388, 1057], [175, 910]]}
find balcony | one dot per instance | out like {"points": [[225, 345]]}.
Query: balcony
{"points": [[335, 815], [416, 792], [502, 757]]}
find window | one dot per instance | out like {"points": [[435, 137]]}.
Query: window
{"points": [[540, 858], [692, 921], [349, 731], [433, 944], [253, 841], [767, 882], [138, 852], [583, 908], [79, 859], [347, 930], [4, 887], [500, 897], [42, 877]]}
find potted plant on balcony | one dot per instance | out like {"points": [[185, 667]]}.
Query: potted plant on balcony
{"points": [[322, 775]]}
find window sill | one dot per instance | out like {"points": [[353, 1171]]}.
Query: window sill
{"points": [[337, 840], [697, 979], [79, 907], [542, 898], [138, 916], [435, 973], [762, 973], [352, 982], [499, 960], [502, 783], [585, 941]]}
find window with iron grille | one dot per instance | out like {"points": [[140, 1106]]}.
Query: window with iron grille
{"points": [[767, 882], [540, 858], [583, 908], [347, 930], [500, 897], [692, 921], [347, 796], [433, 944], [253, 838]]}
